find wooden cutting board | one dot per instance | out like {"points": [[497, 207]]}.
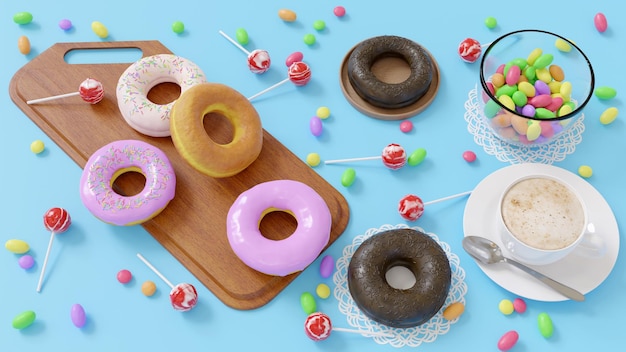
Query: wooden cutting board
{"points": [[193, 226]]}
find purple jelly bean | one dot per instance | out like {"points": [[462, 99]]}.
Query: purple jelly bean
{"points": [[326, 266], [315, 124], [541, 87], [26, 262], [556, 127], [78, 316], [528, 110]]}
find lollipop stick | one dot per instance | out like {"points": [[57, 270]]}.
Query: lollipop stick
{"points": [[155, 270], [351, 159], [363, 332], [269, 88], [45, 262], [41, 100], [448, 197], [234, 42]]}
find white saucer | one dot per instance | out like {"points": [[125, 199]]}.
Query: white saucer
{"points": [[578, 271]]}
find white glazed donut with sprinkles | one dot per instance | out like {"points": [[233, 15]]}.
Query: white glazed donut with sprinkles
{"points": [[134, 84]]}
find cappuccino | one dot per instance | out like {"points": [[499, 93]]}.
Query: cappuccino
{"points": [[543, 213]]}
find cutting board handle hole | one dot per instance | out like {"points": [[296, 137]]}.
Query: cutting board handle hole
{"points": [[102, 56], [164, 93], [278, 225], [219, 128], [129, 183]]}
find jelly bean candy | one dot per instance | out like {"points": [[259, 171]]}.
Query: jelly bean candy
{"points": [[348, 177], [609, 115], [454, 310], [307, 301], [24, 319], [544, 322], [605, 93], [508, 340], [506, 307]]}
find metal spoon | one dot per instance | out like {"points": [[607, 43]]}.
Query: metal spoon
{"points": [[487, 252]]}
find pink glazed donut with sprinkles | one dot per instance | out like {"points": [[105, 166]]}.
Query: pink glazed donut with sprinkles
{"points": [[292, 254], [134, 84], [111, 161]]}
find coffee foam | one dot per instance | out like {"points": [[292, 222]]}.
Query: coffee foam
{"points": [[543, 213]]}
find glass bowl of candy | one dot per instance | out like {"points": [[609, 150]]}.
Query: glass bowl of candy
{"points": [[534, 85]]}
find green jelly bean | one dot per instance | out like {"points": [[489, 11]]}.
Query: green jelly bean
{"points": [[491, 108], [543, 113], [416, 157], [491, 22], [307, 301], [546, 328], [348, 177], [520, 62], [23, 17], [242, 36], [605, 93], [319, 25], [506, 90], [520, 98], [24, 319], [309, 39], [544, 60], [178, 27], [530, 72]]}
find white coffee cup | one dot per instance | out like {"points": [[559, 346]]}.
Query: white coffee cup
{"points": [[543, 219]]}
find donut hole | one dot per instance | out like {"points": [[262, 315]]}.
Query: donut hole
{"points": [[128, 182], [164, 93], [277, 224], [400, 276], [218, 127], [391, 69]]}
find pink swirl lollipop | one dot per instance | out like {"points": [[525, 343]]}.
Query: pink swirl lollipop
{"points": [[183, 297], [299, 74], [258, 60], [393, 157], [411, 207], [90, 90], [56, 220], [318, 327]]}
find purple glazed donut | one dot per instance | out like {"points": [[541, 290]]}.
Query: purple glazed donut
{"points": [[114, 159], [292, 254]]}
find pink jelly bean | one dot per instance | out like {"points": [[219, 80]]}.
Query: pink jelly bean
{"points": [[315, 124], [406, 126], [469, 156], [339, 11], [555, 104], [508, 340], [326, 266], [519, 305], [600, 22], [500, 69], [540, 101], [294, 57], [546, 129], [512, 75]]}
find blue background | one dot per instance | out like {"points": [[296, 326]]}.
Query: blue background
{"points": [[84, 260]]}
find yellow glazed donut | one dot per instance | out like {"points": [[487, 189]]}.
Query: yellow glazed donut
{"points": [[193, 143]]}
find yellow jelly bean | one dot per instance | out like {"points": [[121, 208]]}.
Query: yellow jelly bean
{"points": [[507, 101], [534, 55], [566, 89], [17, 246], [563, 45], [37, 146], [322, 112], [564, 110], [555, 87], [609, 115], [556, 72], [99, 29], [533, 132], [23, 45], [454, 310], [506, 307], [323, 291], [313, 159], [543, 74], [526, 88], [148, 288], [585, 171], [287, 15]]}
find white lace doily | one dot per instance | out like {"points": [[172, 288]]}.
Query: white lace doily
{"points": [[399, 337], [547, 153]]}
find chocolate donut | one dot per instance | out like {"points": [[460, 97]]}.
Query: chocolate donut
{"points": [[389, 95], [394, 307]]}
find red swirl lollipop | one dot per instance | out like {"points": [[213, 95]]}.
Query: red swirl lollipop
{"points": [[183, 296], [393, 156], [299, 73], [90, 90], [56, 220], [411, 207], [258, 60], [318, 327], [469, 50]]}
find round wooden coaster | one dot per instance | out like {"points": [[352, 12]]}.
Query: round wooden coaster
{"points": [[389, 71]]}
